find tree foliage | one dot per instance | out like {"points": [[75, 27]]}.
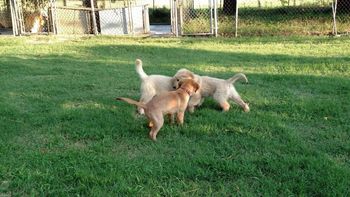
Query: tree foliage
{"points": [[229, 7], [344, 6], [34, 4]]}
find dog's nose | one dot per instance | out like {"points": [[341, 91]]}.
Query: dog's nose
{"points": [[174, 87]]}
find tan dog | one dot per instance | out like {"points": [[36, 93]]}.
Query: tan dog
{"points": [[221, 90], [151, 85], [173, 102]]}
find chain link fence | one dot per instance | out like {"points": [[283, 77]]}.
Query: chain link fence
{"points": [[342, 9], [112, 17], [192, 17], [5, 17], [104, 17], [283, 17], [197, 17]]}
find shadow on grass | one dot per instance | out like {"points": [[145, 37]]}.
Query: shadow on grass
{"points": [[197, 60]]}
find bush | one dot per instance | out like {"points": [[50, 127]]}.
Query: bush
{"points": [[159, 15]]}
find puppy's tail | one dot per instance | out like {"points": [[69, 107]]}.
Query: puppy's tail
{"points": [[237, 77], [133, 102], [139, 69]]}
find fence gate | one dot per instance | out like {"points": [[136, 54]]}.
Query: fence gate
{"points": [[196, 17], [17, 17]]}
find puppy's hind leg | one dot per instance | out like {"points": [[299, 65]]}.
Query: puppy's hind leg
{"points": [[241, 103], [158, 122], [194, 101], [224, 105], [145, 98], [142, 100], [180, 117], [221, 98], [237, 99], [141, 110], [171, 118]]}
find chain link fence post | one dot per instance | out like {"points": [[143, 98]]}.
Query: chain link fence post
{"points": [[236, 19], [93, 17], [334, 14]]}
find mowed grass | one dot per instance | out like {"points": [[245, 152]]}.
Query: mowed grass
{"points": [[62, 132]]}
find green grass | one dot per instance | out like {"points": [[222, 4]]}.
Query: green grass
{"points": [[62, 132]]}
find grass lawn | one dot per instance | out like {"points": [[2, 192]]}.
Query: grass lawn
{"points": [[62, 132]]}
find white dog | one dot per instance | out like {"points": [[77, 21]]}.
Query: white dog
{"points": [[221, 90], [151, 85]]}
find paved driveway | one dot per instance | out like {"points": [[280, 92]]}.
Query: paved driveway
{"points": [[4, 31], [160, 29]]}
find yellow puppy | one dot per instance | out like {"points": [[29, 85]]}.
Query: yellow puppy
{"points": [[151, 85], [221, 90], [173, 102]]}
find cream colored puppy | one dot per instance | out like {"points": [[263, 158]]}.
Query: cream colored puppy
{"points": [[221, 90], [151, 85]]}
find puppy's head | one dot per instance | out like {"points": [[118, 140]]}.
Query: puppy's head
{"points": [[181, 75], [190, 85]]}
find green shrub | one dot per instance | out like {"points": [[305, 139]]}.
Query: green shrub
{"points": [[159, 15]]}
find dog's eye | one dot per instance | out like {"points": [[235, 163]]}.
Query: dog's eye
{"points": [[177, 79]]}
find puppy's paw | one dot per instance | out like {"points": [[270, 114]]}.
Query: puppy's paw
{"points": [[140, 111], [225, 106], [190, 109], [152, 136], [246, 108]]}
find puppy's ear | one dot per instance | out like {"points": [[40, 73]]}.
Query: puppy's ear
{"points": [[173, 82], [180, 83], [191, 75], [196, 85]]}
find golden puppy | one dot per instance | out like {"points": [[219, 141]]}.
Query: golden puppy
{"points": [[173, 102], [151, 85], [221, 90]]}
